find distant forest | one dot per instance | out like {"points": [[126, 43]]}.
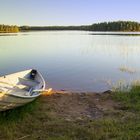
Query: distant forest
{"points": [[128, 26], [9, 29], [104, 26]]}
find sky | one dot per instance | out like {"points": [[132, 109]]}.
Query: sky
{"points": [[67, 12]]}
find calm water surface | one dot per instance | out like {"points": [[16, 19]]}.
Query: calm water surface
{"points": [[73, 60]]}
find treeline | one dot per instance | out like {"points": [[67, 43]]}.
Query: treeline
{"points": [[104, 26], [9, 29], [116, 26], [34, 28]]}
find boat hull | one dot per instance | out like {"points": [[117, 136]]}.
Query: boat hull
{"points": [[20, 88], [10, 101]]}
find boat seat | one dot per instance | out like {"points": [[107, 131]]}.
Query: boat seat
{"points": [[28, 82]]}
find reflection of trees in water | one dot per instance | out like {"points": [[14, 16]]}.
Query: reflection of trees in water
{"points": [[113, 46]]}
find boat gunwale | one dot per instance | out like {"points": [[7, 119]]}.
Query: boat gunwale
{"points": [[25, 97], [29, 97]]}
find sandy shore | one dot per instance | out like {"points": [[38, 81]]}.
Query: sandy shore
{"points": [[80, 105]]}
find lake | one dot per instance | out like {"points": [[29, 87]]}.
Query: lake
{"points": [[73, 60]]}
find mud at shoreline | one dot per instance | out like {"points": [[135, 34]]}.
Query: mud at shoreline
{"points": [[80, 105]]}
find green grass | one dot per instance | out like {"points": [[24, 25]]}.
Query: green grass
{"points": [[12, 120], [129, 99], [17, 114], [36, 121]]}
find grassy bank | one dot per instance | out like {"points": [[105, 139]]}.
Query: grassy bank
{"points": [[80, 116]]}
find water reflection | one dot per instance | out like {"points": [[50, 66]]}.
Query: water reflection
{"points": [[116, 33], [73, 60]]}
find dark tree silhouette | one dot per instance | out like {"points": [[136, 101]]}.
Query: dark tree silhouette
{"points": [[104, 26]]}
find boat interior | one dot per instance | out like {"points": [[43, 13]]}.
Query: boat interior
{"points": [[22, 83]]}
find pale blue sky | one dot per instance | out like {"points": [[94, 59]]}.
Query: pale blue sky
{"points": [[67, 12]]}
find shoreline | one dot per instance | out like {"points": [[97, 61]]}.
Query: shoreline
{"points": [[81, 105], [71, 116], [77, 92], [95, 33]]}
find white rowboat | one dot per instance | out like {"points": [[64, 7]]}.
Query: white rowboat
{"points": [[20, 88]]}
